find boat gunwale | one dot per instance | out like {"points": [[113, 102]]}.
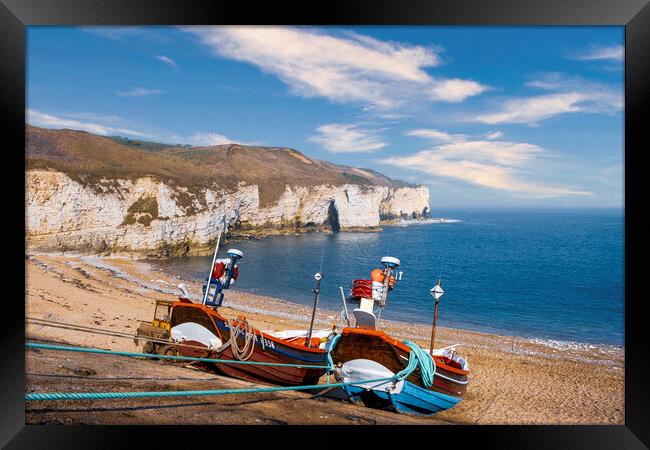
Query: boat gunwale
{"points": [[402, 346], [212, 313]]}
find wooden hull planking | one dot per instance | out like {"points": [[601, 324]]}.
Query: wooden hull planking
{"points": [[267, 348], [449, 385]]}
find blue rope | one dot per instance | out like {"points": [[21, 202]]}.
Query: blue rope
{"points": [[330, 361], [145, 394], [417, 356], [149, 355]]}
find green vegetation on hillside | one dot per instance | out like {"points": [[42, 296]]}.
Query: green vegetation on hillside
{"points": [[143, 210]]}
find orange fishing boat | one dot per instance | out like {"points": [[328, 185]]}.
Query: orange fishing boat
{"points": [[363, 352]]}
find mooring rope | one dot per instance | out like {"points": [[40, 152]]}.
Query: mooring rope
{"points": [[418, 357], [145, 394], [118, 334], [248, 347], [330, 361], [37, 345]]}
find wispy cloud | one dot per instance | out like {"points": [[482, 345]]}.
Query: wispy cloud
{"points": [[109, 125], [602, 53], [500, 165], [347, 138], [568, 95], [208, 139], [455, 90], [50, 121], [436, 135], [167, 60], [611, 175], [139, 92], [343, 67], [495, 135]]}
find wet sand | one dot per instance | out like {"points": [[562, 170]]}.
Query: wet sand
{"points": [[513, 380]]}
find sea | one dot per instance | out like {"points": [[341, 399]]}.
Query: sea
{"points": [[545, 274]]}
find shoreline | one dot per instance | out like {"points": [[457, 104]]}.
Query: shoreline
{"points": [[552, 343], [519, 380]]}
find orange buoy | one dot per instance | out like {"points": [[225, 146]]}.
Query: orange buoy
{"points": [[377, 275]]}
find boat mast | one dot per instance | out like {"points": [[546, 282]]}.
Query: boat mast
{"points": [[436, 293], [214, 258]]}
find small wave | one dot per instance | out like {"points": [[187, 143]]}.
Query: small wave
{"points": [[556, 344], [408, 222]]}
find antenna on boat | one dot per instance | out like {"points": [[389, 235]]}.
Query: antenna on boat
{"points": [[345, 306], [436, 293], [214, 258]]}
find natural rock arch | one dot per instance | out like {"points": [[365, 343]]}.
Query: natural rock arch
{"points": [[333, 217]]}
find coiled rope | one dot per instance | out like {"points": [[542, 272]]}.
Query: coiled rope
{"points": [[246, 351], [243, 353], [418, 357]]}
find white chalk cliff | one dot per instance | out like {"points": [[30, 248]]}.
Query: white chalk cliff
{"points": [[144, 217]]}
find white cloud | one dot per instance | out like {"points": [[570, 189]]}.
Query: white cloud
{"points": [[139, 92], [612, 175], [534, 109], [108, 125], [167, 60], [207, 139], [495, 135], [50, 121], [346, 67], [436, 135], [603, 53], [456, 90], [346, 138], [569, 95], [203, 139], [499, 165]]}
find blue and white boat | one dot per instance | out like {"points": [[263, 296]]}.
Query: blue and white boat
{"points": [[414, 380]]}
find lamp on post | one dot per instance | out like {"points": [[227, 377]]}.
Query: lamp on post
{"points": [[436, 293]]}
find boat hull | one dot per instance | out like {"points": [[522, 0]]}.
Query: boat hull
{"points": [[267, 349], [412, 399], [449, 383]]}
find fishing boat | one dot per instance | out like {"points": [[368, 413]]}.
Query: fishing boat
{"points": [[422, 382], [199, 329]]}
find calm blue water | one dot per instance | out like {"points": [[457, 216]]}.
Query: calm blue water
{"points": [[545, 274]]}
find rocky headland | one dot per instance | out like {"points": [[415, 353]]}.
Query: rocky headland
{"points": [[112, 196]]}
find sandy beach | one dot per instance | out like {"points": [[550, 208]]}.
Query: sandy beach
{"points": [[512, 381]]}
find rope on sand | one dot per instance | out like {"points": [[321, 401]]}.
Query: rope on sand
{"points": [[154, 394], [102, 331]]}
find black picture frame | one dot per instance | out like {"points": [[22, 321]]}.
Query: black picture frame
{"points": [[15, 15]]}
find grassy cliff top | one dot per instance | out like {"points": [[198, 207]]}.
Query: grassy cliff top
{"points": [[89, 158]]}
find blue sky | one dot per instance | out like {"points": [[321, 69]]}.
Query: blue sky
{"points": [[484, 116]]}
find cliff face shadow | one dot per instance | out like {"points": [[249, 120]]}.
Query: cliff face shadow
{"points": [[333, 217]]}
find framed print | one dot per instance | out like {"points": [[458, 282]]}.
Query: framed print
{"points": [[359, 214]]}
